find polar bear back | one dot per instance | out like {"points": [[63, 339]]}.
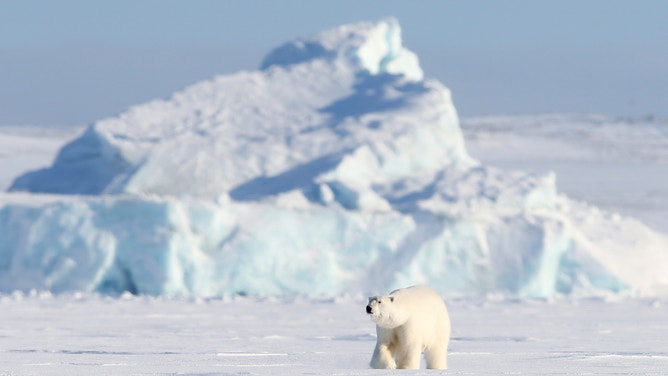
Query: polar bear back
{"points": [[425, 306], [418, 295]]}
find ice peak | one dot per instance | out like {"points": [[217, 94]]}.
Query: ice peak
{"points": [[316, 101], [375, 47]]}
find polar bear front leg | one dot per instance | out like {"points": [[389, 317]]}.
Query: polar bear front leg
{"points": [[383, 354], [436, 357], [408, 357], [409, 347], [382, 357]]}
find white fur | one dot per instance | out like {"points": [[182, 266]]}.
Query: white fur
{"points": [[408, 322]]}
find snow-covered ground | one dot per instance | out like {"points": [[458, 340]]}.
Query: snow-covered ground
{"points": [[84, 335]]}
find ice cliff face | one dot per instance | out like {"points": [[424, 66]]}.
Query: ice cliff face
{"points": [[334, 168]]}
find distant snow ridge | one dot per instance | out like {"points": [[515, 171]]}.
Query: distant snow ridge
{"points": [[334, 168]]}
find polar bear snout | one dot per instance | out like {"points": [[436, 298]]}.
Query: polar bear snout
{"points": [[369, 310]]}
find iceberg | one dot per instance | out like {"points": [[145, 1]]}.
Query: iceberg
{"points": [[309, 107], [336, 167]]}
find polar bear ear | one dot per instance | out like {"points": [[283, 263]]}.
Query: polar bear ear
{"points": [[392, 299]]}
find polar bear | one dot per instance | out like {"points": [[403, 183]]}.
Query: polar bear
{"points": [[410, 321]]}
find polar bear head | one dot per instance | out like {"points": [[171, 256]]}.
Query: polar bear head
{"points": [[384, 311]]}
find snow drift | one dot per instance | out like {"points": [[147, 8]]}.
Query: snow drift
{"points": [[335, 167]]}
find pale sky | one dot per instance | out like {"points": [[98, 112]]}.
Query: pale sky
{"points": [[74, 62]]}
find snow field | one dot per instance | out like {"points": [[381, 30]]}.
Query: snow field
{"points": [[84, 335]]}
